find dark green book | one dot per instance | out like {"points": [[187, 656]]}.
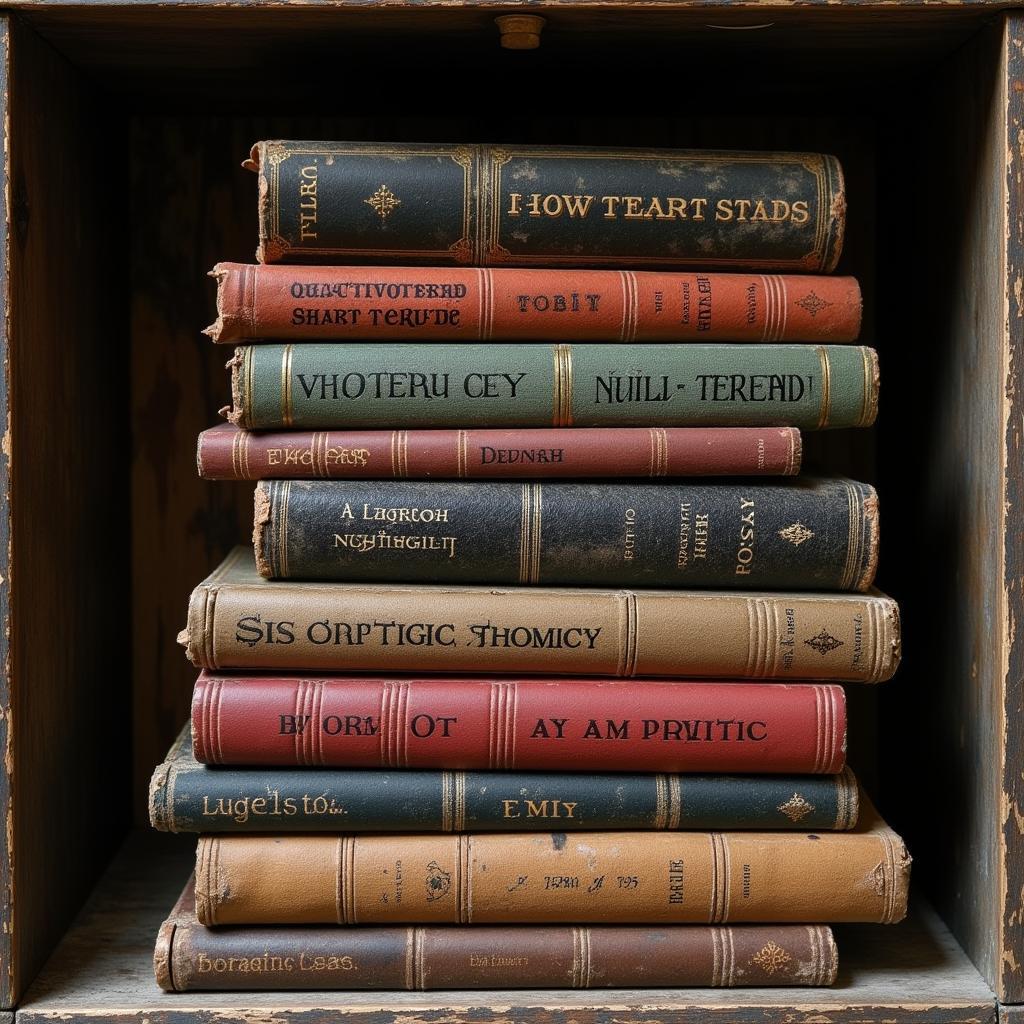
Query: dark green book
{"points": [[813, 534], [185, 796], [343, 385]]}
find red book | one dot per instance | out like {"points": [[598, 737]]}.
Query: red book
{"points": [[481, 304], [227, 453], [550, 724]]}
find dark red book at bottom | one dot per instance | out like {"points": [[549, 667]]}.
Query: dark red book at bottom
{"points": [[189, 957], [540, 724]]}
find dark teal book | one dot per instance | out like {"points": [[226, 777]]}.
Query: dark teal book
{"points": [[547, 206], [185, 796], [341, 385], [811, 534]]}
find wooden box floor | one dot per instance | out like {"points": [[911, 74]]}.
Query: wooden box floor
{"points": [[102, 970]]}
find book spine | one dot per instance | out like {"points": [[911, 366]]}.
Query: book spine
{"points": [[228, 453], [437, 304], [192, 798], [544, 724], [335, 386], [816, 534], [349, 627], [541, 878], [547, 206], [191, 958]]}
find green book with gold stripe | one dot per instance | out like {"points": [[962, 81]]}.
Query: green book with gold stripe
{"points": [[326, 386]]}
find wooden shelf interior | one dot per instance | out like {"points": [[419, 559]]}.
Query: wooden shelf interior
{"points": [[103, 971], [133, 191]]}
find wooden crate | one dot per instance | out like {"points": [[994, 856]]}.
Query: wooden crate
{"points": [[123, 128]]}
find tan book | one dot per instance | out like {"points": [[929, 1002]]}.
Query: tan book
{"points": [[583, 877], [238, 620]]}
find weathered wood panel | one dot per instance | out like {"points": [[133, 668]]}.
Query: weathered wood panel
{"points": [[64, 522]]}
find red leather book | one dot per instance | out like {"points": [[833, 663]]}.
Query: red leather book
{"points": [[449, 304], [550, 724], [226, 452]]}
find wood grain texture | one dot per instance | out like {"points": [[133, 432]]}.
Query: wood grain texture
{"points": [[7, 853], [955, 551], [66, 791], [905, 974], [287, 55], [1010, 738]]}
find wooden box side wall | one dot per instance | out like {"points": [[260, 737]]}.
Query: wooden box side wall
{"points": [[63, 525]]}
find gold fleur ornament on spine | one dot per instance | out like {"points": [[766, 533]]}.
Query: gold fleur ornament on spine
{"points": [[796, 533], [383, 202], [771, 957], [795, 808]]}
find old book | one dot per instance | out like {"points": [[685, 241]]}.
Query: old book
{"points": [[533, 878], [226, 452], [811, 533], [553, 724], [186, 796], [448, 304], [362, 385], [548, 206], [189, 957], [237, 619]]}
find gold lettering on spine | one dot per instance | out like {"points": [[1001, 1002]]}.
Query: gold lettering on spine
{"points": [[286, 385], [826, 388]]}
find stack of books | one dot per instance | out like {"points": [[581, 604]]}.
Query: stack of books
{"points": [[501, 697]]}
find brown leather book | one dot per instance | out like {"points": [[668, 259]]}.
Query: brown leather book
{"points": [[238, 620], [189, 957], [542, 878]]}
